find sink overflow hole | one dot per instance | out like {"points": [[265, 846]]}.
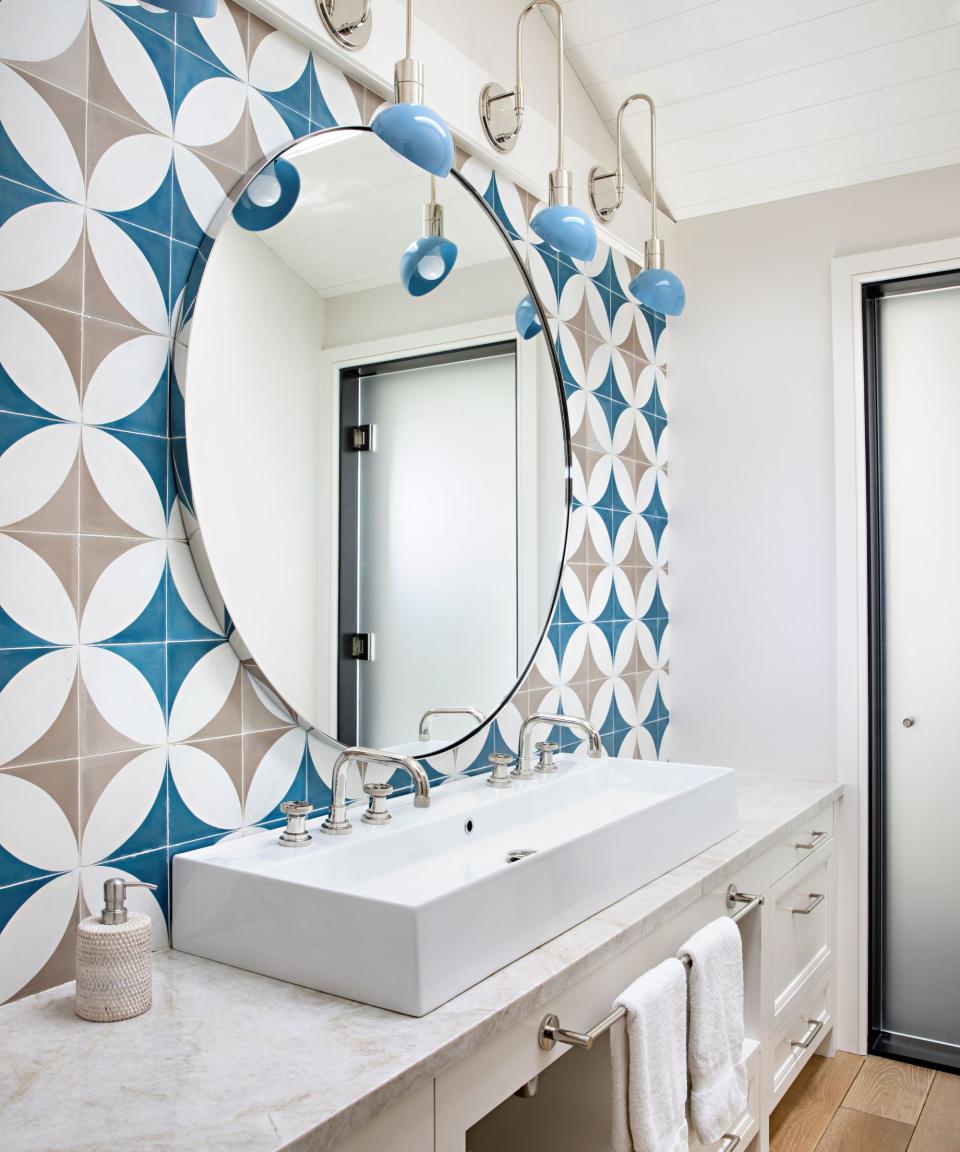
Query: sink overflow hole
{"points": [[468, 827], [519, 853]]}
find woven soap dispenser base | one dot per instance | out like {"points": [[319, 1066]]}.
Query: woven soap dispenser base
{"points": [[114, 970]]}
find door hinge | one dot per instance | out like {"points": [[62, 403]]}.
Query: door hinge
{"points": [[358, 646], [362, 437]]}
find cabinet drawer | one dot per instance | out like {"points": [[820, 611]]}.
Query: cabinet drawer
{"points": [[798, 1039], [799, 845], [749, 1123], [802, 930]]}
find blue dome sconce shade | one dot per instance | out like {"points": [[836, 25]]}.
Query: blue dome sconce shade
{"points": [[561, 225], [426, 264], [567, 229], [527, 318], [430, 259], [417, 133], [201, 9], [408, 126], [659, 290], [655, 287], [269, 197]]}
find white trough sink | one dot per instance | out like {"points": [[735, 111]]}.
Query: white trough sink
{"points": [[408, 915]]}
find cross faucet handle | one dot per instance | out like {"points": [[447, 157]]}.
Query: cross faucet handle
{"points": [[295, 833]]}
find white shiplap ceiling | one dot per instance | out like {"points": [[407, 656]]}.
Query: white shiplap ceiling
{"points": [[762, 99], [359, 207]]}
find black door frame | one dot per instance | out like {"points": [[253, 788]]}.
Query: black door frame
{"points": [[880, 1042], [348, 606]]}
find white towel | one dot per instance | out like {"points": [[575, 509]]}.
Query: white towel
{"points": [[649, 1063], [718, 1074]]}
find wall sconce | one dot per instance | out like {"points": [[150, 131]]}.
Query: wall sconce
{"points": [[526, 318], [269, 197], [409, 126], [349, 22], [201, 9], [568, 229], [428, 261], [656, 287]]}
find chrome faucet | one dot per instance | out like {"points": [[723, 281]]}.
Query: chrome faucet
{"points": [[336, 822], [523, 771], [427, 717]]}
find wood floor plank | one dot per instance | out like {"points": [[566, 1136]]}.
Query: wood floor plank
{"points": [[853, 1131], [938, 1129], [802, 1117], [889, 1089]]}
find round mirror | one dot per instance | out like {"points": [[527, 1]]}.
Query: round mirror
{"points": [[376, 465]]}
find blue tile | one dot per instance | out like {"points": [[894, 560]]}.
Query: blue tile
{"points": [[13, 898], [13, 167], [15, 871], [152, 417], [150, 836], [150, 661], [190, 38], [181, 659]]}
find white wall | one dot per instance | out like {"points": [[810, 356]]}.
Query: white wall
{"points": [[267, 387], [751, 475]]}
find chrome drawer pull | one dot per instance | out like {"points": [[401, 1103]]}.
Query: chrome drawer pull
{"points": [[815, 838], [731, 1141], [816, 899], [814, 1032]]}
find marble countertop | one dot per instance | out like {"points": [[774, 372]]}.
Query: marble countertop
{"points": [[228, 1061]]}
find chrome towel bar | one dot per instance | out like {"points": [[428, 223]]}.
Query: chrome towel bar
{"points": [[551, 1032]]}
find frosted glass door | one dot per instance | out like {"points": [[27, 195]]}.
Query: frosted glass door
{"points": [[429, 552], [919, 420]]}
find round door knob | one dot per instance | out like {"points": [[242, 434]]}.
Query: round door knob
{"points": [[908, 722]]}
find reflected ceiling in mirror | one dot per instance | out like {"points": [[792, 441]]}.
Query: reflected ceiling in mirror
{"points": [[380, 479]]}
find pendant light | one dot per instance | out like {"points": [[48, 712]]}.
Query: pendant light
{"points": [[269, 197], [656, 287], [201, 9], [408, 126], [566, 228], [428, 261]]}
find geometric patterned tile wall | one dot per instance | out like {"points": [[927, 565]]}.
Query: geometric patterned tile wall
{"points": [[128, 731]]}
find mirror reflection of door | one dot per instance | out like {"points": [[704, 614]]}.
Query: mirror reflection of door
{"points": [[417, 555]]}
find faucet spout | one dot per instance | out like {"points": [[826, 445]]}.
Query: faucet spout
{"points": [[577, 723], [427, 719], [336, 822]]}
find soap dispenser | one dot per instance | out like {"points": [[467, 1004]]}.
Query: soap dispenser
{"points": [[114, 973]]}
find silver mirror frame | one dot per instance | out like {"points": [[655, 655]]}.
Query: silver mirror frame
{"points": [[180, 451]]}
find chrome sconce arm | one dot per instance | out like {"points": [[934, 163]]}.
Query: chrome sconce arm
{"points": [[655, 287], [560, 224], [496, 113], [606, 202]]}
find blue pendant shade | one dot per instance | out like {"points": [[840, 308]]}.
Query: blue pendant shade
{"points": [[269, 197], [527, 318], [426, 264], [199, 8], [568, 229], [660, 290], [418, 133]]}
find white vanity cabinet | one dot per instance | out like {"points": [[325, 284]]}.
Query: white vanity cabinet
{"points": [[788, 946]]}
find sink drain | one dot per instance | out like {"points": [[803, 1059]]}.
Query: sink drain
{"points": [[519, 853]]}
